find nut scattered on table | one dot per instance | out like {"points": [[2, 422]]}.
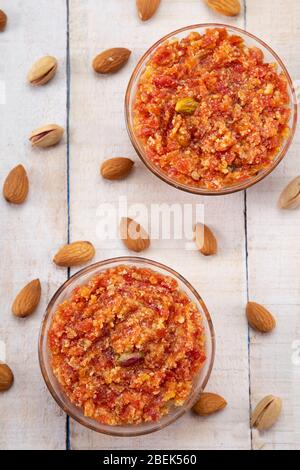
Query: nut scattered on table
{"points": [[116, 168], [209, 403], [46, 136], [111, 60], [3, 20], [147, 8], [42, 71], [260, 318], [205, 240], [6, 377], [16, 185], [266, 412], [290, 196], [225, 7], [133, 235], [74, 254], [27, 299]]}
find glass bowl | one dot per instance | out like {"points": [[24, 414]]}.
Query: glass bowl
{"points": [[55, 389], [250, 40]]}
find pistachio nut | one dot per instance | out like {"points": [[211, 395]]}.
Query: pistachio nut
{"points": [[266, 412], [186, 105], [42, 71], [46, 136], [290, 196]]}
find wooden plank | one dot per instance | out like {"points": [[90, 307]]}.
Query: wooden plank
{"points": [[274, 249], [98, 132], [29, 418]]}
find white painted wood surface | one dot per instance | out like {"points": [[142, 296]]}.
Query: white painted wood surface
{"points": [[274, 248], [31, 233]]}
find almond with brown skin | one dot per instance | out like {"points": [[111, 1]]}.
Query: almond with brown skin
{"points": [[27, 299], [111, 60], [225, 7], [74, 254], [205, 240], [16, 185], [116, 168], [260, 318], [6, 377], [147, 8], [46, 136], [208, 404], [290, 196], [266, 412], [134, 237], [3, 20], [42, 71]]}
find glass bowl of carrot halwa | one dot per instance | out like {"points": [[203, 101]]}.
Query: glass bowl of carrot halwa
{"points": [[126, 346], [211, 109]]}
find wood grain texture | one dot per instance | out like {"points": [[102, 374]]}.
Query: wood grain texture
{"points": [[274, 248], [98, 132], [32, 233], [29, 418]]}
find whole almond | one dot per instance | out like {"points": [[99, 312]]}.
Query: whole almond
{"points": [[16, 185], [116, 168], [6, 377], [74, 254], [208, 404], [205, 240], [260, 318], [147, 8], [266, 412], [111, 60], [27, 299], [3, 20], [290, 196], [46, 136], [225, 7], [134, 237], [42, 71]]}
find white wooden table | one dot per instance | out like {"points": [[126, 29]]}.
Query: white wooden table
{"points": [[259, 256]]}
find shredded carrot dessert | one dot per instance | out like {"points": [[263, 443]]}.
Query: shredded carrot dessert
{"points": [[209, 111], [127, 346]]}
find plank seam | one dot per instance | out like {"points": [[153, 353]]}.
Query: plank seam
{"points": [[68, 85], [247, 274]]}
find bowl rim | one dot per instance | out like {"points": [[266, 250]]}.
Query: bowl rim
{"points": [[202, 191], [117, 430]]}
